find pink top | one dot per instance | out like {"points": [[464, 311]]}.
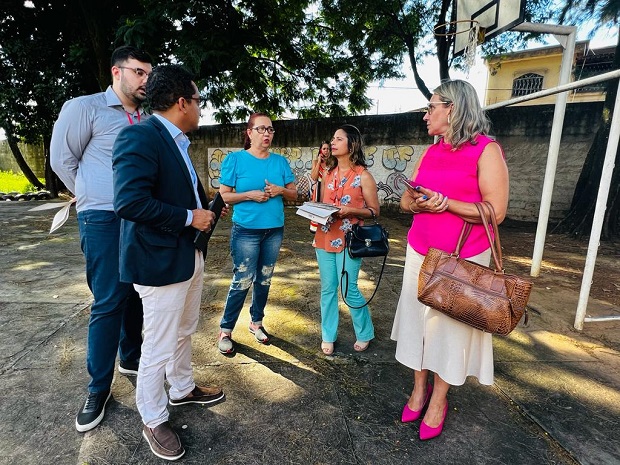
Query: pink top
{"points": [[454, 174], [339, 191]]}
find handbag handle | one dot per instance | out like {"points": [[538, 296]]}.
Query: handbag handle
{"points": [[485, 209], [372, 213], [463, 237]]}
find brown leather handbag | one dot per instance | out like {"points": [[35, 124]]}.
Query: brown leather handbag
{"points": [[486, 299]]}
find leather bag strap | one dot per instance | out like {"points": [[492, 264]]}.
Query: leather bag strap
{"points": [[486, 211], [463, 237], [344, 282]]}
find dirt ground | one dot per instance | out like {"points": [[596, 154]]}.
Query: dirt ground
{"points": [[560, 275], [556, 392], [562, 269], [562, 265], [564, 260]]}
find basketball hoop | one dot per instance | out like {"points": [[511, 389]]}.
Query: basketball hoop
{"points": [[475, 35], [470, 49]]}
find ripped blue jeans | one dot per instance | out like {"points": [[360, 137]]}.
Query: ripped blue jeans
{"points": [[254, 253]]}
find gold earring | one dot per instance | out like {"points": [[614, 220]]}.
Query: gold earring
{"points": [[448, 119]]}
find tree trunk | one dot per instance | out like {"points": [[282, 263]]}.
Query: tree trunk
{"points": [[52, 181], [416, 75], [19, 158], [443, 41], [578, 220]]}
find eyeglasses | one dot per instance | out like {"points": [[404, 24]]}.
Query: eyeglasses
{"points": [[198, 99], [262, 129], [137, 71], [431, 106]]}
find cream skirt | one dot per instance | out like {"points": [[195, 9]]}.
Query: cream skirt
{"points": [[429, 340]]}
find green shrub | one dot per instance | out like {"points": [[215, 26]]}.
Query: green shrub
{"points": [[11, 182]]}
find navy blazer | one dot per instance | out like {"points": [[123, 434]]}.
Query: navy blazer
{"points": [[152, 193]]}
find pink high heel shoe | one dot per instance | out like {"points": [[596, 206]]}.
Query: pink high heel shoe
{"points": [[412, 415], [426, 432]]}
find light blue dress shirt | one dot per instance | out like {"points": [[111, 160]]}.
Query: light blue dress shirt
{"points": [[81, 146], [183, 143]]}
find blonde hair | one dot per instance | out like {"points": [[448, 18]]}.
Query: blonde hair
{"points": [[467, 118]]}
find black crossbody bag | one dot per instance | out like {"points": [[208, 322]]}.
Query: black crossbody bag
{"points": [[364, 241]]}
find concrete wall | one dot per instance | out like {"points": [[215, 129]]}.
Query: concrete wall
{"points": [[33, 154], [524, 133], [395, 142]]}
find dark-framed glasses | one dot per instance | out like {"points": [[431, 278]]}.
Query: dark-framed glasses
{"points": [[263, 129], [137, 71], [431, 106]]}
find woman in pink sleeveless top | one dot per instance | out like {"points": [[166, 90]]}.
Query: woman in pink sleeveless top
{"points": [[464, 166]]}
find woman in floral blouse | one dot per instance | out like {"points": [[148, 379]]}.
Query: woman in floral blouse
{"points": [[349, 186]]}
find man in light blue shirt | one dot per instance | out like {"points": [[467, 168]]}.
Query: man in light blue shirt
{"points": [[81, 156], [162, 203]]}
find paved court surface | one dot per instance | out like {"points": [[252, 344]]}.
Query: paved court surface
{"points": [[556, 399]]}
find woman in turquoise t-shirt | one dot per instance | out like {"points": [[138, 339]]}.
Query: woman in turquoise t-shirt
{"points": [[256, 182]]}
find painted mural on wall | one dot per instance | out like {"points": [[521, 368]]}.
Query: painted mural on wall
{"points": [[391, 166]]}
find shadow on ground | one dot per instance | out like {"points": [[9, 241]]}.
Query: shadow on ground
{"points": [[555, 401]]}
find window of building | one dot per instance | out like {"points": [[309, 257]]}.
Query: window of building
{"points": [[527, 84], [593, 65]]}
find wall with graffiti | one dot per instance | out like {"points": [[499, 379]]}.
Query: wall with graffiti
{"points": [[394, 143], [389, 165]]}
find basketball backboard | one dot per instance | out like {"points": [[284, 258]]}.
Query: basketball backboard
{"points": [[493, 16]]}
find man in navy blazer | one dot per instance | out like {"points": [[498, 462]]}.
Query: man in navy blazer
{"points": [[162, 205]]}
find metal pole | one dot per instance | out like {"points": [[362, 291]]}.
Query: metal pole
{"points": [[599, 213], [552, 157], [545, 28], [595, 319]]}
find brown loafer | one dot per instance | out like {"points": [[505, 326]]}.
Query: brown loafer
{"points": [[164, 441], [201, 395]]}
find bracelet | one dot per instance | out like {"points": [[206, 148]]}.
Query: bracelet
{"points": [[372, 212]]}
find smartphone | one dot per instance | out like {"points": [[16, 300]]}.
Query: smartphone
{"points": [[410, 183]]}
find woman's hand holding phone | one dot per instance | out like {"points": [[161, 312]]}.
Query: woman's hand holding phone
{"points": [[415, 190]]}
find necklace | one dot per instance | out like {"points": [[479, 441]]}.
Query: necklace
{"points": [[340, 180]]}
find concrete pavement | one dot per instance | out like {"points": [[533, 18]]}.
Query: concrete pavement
{"points": [[556, 398]]}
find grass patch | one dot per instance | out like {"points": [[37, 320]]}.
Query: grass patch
{"points": [[11, 182]]}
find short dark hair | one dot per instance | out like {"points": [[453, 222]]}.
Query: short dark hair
{"points": [[166, 85], [126, 52]]}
